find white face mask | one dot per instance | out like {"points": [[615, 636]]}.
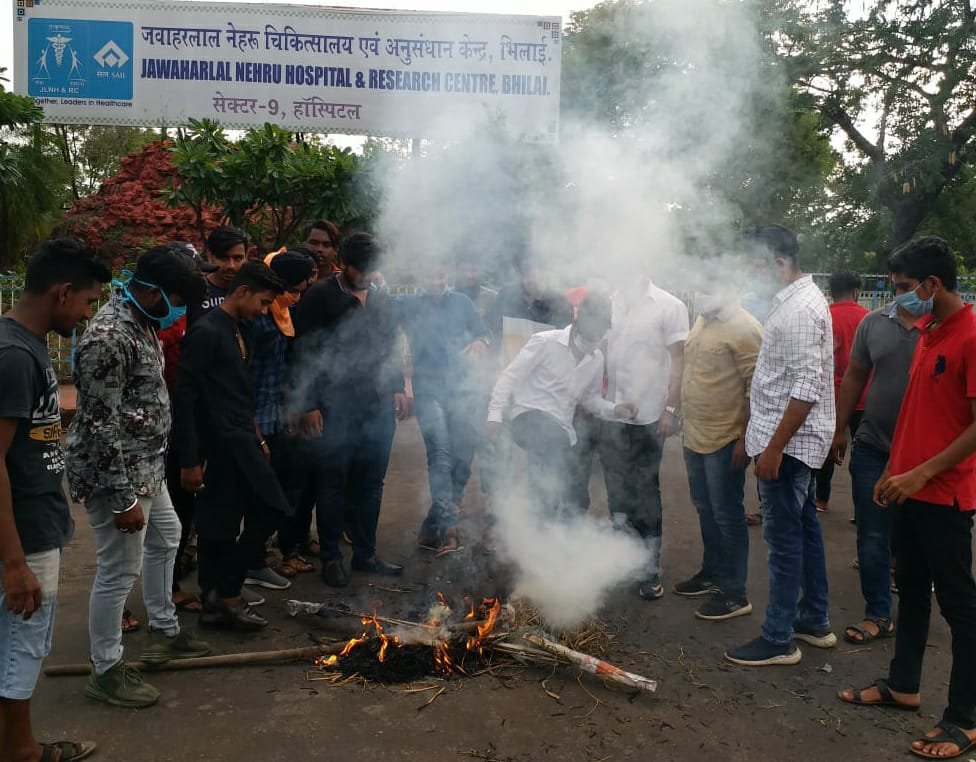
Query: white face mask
{"points": [[709, 304]]}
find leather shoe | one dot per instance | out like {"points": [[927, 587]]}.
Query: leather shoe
{"points": [[216, 613], [334, 575], [376, 566]]}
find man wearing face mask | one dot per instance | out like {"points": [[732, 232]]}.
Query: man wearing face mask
{"points": [[720, 357], [929, 485], [539, 391], [884, 344], [790, 427], [447, 341], [645, 360], [116, 449]]}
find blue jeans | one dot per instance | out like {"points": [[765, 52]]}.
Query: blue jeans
{"points": [[24, 643], [873, 531], [718, 490], [448, 424], [797, 565], [118, 560]]}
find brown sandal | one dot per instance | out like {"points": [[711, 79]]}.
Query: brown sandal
{"points": [[293, 566], [450, 542], [129, 622]]}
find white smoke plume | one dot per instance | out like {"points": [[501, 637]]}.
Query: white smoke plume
{"points": [[620, 203]]}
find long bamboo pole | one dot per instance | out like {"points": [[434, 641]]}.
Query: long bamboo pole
{"points": [[594, 665], [224, 660]]}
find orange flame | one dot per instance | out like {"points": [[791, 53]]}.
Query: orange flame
{"points": [[353, 643], [442, 659], [492, 607], [326, 661], [471, 614]]}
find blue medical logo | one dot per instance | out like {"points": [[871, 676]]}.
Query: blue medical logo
{"points": [[68, 58]]}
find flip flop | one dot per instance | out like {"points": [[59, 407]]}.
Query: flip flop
{"points": [[66, 751], [950, 734], [129, 622], [450, 543], [887, 699], [447, 550], [190, 605]]}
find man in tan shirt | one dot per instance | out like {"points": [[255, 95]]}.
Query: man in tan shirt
{"points": [[720, 356]]}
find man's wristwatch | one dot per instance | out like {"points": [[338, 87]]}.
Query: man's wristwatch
{"points": [[671, 410]]}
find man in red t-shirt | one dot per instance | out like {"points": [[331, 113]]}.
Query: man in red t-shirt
{"points": [[930, 486], [845, 315]]}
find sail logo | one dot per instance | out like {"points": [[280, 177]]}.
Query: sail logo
{"points": [[72, 58]]}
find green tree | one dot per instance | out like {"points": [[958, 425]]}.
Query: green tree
{"points": [[898, 79], [94, 152], [198, 153], [269, 183], [32, 177]]}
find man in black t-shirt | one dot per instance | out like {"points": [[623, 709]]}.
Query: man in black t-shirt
{"points": [[227, 250], [63, 283]]}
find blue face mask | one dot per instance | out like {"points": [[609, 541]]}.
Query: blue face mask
{"points": [[173, 313], [913, 304]]}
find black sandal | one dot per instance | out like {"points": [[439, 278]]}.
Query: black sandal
{"points": [[950, 734], [886, 629], [887, 699], [66, 751]]}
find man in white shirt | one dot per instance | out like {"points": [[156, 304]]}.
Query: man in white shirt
{"points": [[539, 392], [790, 429], [645, 359]]}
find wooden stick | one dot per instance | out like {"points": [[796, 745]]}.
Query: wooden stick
{"points": [[203, 662], [593, 665]]}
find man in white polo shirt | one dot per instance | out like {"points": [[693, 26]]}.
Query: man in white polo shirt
{"points": [[645, 360]]}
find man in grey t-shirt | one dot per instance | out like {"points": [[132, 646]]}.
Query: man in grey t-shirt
{"points": [[883, 345]]}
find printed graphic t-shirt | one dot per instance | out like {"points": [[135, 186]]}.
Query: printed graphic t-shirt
{"points": [[35, 460]]}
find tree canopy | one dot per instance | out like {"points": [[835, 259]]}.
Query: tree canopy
{"points": [[268, 182], [31, 177], [898, 79]]}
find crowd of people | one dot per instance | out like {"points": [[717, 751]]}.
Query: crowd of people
{"points": [[233, 399]]}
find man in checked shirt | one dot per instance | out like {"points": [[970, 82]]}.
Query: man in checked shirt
{"points": [[790, 430]]}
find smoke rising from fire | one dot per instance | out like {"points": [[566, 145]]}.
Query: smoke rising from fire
{"points": [[620, 200]]}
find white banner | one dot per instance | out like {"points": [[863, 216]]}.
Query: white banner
{"points": [[306, 68]]}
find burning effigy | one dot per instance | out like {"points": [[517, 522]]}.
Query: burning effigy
{"points": [[452, 642]]}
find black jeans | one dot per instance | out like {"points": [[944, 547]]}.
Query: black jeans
{"points": [[933, 544], [548, 451], [825, 473], [349, 462], [631, 456], [222, 564], [292, 463], [184, 502], [588, 429], [225, 551]]}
